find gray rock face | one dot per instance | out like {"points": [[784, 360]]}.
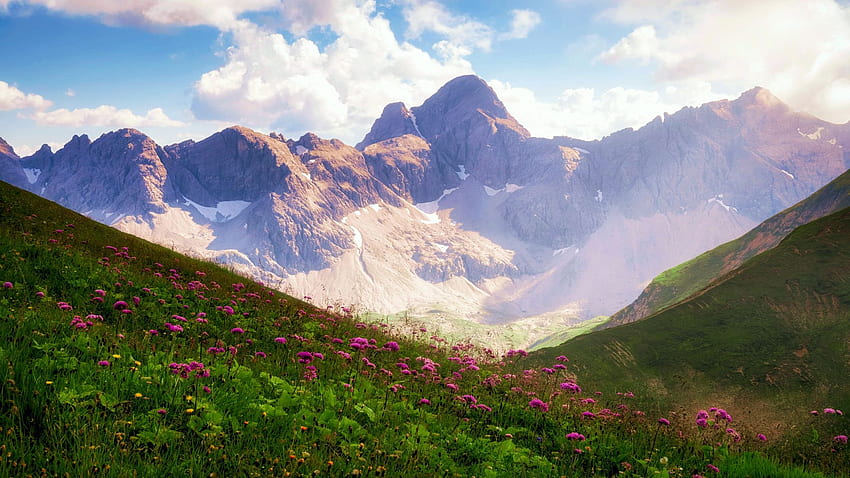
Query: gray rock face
{"points": [[406, 165], [396, 120], [121, 172], [236, 164], [11, 170]]}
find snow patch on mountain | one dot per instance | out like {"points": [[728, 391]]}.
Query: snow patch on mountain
{"points": [[719, 200], [223, 211], [492, 192], [32, 174]]}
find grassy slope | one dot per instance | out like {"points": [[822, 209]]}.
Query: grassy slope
{"points": [[768, 338], [105, 400], [682, 281]]}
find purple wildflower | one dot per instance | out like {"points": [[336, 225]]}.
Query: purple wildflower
{"points": [[663, 421], [539, 404], [575, 436]]}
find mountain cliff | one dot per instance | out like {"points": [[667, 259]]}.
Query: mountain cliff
{"points": [[677, 284], [451, 209]]}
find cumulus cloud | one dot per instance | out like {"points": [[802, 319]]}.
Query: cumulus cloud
{"points": [[522, 23], [459, 30], [587, 114], [11, 98], [334, 90], [798, 50], [104, 115]]}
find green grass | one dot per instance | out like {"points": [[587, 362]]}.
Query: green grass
{"points": [[770, 340], [125, 395]]}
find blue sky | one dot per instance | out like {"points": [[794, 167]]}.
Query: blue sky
{"points": [[179, 69]]}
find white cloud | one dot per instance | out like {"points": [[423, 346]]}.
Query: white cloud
{"points": [[11, 98], [584, 113], [338, 90], [522, 23], [798, 50], [104, 115], [460, 31]]}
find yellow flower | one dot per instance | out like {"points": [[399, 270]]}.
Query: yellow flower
{"points": [[116, 356], [49, 382], [189, 398], [190, 410], [137, 395]]}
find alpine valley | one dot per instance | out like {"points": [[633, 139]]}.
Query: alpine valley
{"points": [[451, 212]]}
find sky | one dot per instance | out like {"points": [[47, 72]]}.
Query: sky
{"points": [[184, 69]]}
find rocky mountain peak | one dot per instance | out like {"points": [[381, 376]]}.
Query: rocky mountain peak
{"points": [[10, 165], [396, 120], [236, 163], [6, 149], [461, 100]]}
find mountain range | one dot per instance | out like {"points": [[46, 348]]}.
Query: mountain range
{"points": [[451, 209]]}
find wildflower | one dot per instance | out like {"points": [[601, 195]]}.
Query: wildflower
{"points": [[8, 285], [588, 415], [575, 436], [104, 363], [39, 294], [761, 437], [508, 435], [572, 387], [702, 422], [280, 340], [237, 330], [562, 358], [153, 332], [207, 389], [712, 468], [424, 401], [663, 421], [840, 439], [162, 411], [829, 411], [539, 404], [393, 346], [119, 305], [721, 414], [260, 354]]}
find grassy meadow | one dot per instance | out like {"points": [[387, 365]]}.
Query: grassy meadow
{"points": [[121, 358]]}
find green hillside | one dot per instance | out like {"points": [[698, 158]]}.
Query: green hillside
{"points": [[122, 358], [682, 281], [769, 340]]}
